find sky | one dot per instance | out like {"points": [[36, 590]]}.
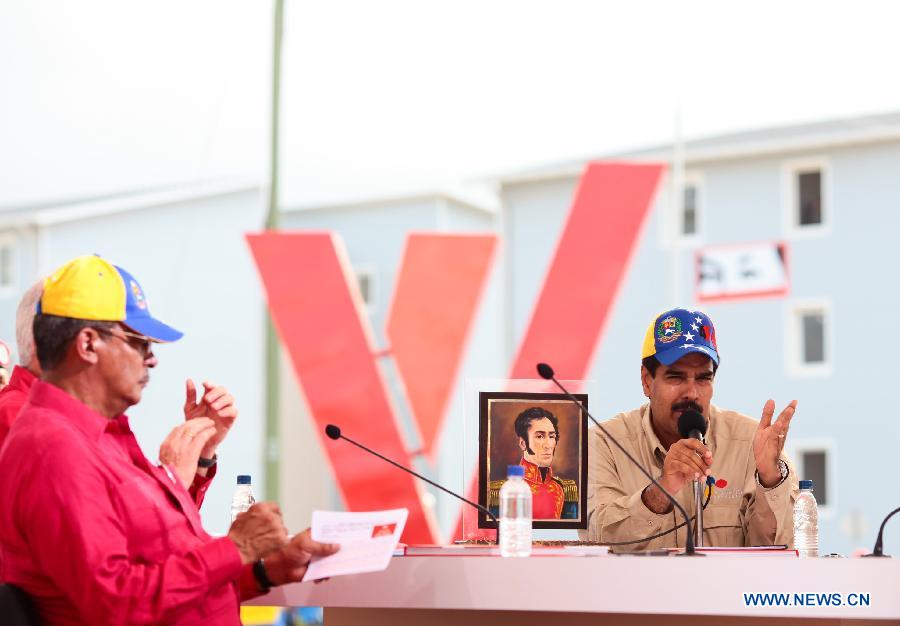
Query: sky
{"points": [[383, 98]]}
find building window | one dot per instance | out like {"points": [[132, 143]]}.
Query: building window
{"points": [[813, 329], [689, 210], [814, 459], [683, 226], [807, 196], [6, 269], [809, 338], [814, 463], [365, 279], [7, 264]]}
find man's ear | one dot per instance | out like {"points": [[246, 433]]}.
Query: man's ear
{"points": [[85, 345], [522, 445], [646, 379]]}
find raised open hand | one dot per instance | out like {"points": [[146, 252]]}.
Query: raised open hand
{"points": [[768, 441], [216, 404]]}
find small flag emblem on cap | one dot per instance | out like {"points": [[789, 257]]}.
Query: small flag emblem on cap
{"points": [[668, 329], [139, 300]]}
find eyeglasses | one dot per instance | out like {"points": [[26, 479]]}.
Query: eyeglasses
{"points": [[141, 344]]}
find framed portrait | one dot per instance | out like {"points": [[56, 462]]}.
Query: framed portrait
{"points": [[546, 433]]}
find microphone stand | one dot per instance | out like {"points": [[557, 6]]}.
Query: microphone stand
{"points": [[689, 429], [698, 506], [878, 550], [546, 372]]}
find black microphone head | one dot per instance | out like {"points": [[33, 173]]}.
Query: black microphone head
{"points": [[545, 371], [333, 431], [691, 420]]}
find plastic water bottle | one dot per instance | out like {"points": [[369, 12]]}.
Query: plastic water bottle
{"points": [[806, 521], [515, 514], [243, 496]]}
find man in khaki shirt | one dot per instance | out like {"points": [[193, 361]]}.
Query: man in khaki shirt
{"points": [[752, 502]]}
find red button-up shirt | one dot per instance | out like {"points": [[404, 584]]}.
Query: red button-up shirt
{"points": [[13, 397], [96, 534]]}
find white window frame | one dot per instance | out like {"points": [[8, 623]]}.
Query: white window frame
{"points": [[369, 272], [794, 365], [696, 180], [671, 212], [790, 197], [795, 450], [9, 240]]}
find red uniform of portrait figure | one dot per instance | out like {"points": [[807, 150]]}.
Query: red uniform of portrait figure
{"points": [[547, 494]]}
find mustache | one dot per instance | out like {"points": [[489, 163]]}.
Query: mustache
{"points": [[687, 405]]}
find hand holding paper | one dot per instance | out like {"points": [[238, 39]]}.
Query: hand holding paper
{"points": [[289, 564], [367, 541]]}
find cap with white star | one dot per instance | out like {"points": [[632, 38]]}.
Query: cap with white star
{"points": [[677, 332]]}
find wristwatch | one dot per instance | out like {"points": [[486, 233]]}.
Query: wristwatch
{"points": [[201, 462], [262, 578], [783, 467]]}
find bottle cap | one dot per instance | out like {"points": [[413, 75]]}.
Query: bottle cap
{"points": [[806, 484], [243, 479], [515, 470]]}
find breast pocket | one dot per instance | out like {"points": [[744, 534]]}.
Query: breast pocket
{"points": [[148, 518], [722, 517], [722, 526]]}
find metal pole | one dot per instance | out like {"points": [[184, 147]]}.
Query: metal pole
{"points": [[676, 216], [698, 506], [271, 449]]}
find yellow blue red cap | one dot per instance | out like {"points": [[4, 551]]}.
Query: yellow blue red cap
{"points": [[677, 332], [91, 288]]}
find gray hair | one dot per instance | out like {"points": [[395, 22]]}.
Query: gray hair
{"points": [[24, 320]]}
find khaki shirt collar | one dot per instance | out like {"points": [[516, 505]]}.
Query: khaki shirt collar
{"points": [[656, 448], [711, 429]]}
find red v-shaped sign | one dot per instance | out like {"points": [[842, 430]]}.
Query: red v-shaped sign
{"points": [[318, 311]]}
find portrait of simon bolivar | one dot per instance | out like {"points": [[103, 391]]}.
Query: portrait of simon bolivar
{"points": [[546, 434]]}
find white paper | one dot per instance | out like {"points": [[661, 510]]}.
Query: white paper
{"points": [[367, 541]]}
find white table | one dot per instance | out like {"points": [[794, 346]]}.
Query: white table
{"points": [[572, 591]]}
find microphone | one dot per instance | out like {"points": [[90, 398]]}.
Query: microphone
{"points": [[692, 425], [878, 550], [334, 432], [546, 372]]}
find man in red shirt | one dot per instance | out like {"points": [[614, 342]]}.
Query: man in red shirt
{"points": [[216, 403], [90, 529], [13, 396]]}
